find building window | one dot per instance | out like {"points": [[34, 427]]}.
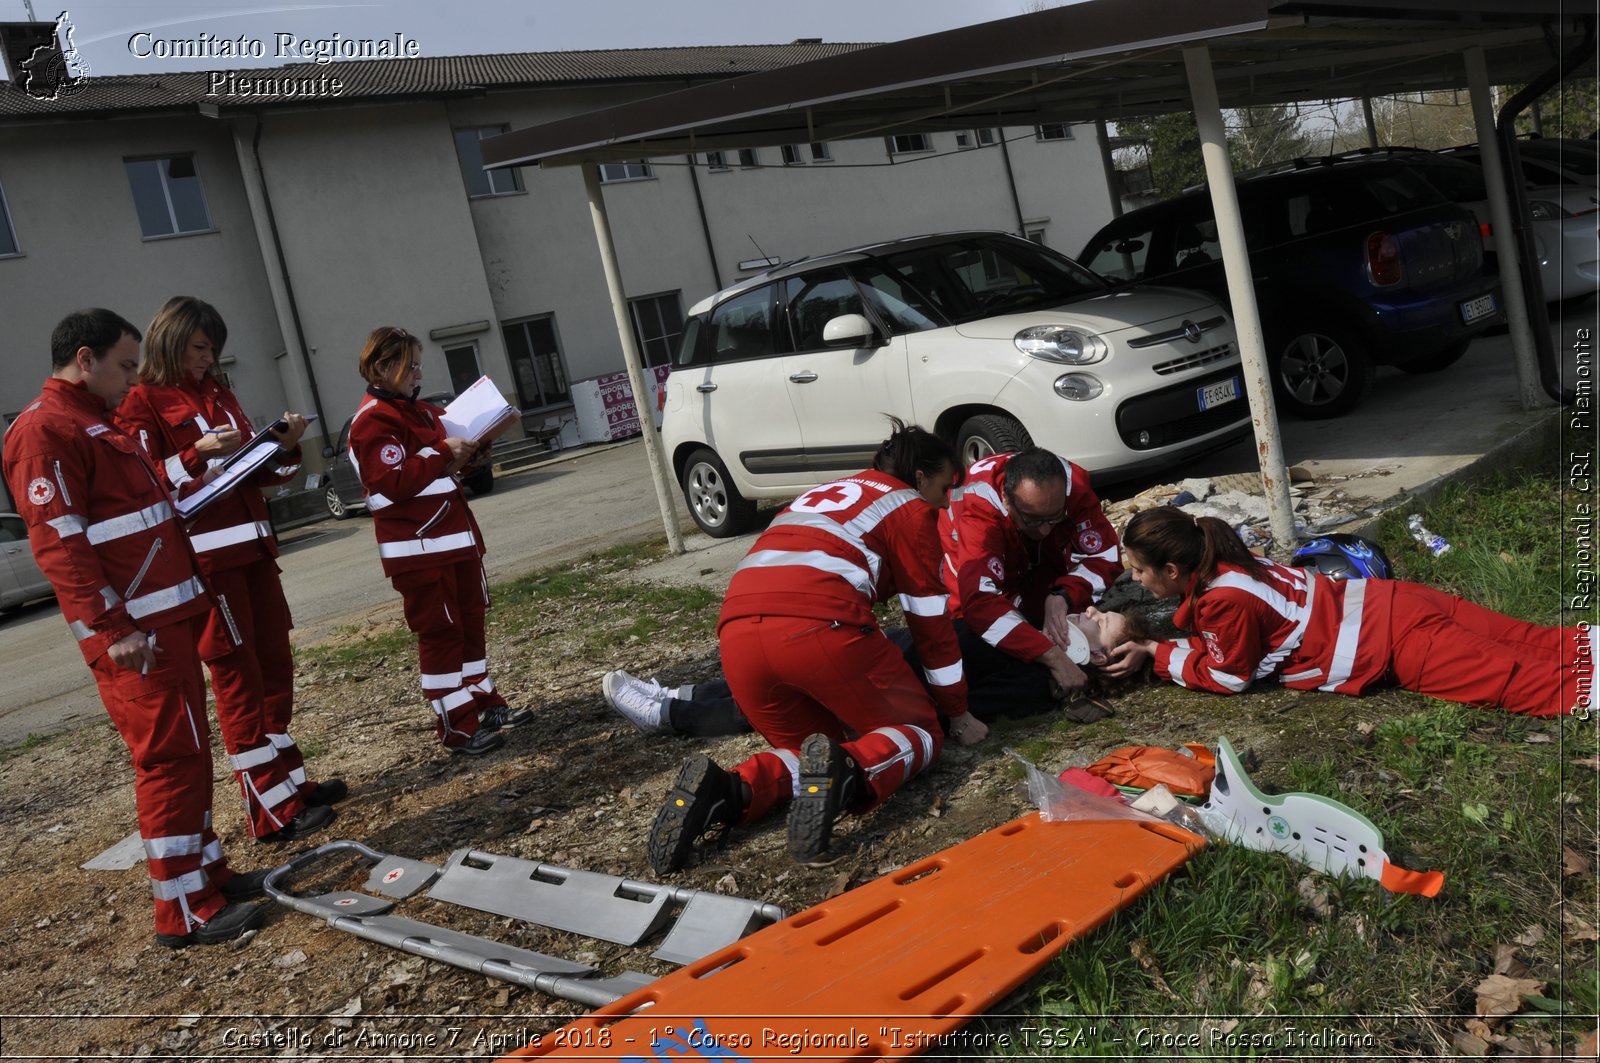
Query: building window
{"points": [[536, 363], [748, 158], [1053, 131], [8, 235], [977, 138], [716, 160], [1037, 236], [632, 170], [462, 361], [658, 326], [909, 142], [168, 196], [796, 154], [481, 182]]}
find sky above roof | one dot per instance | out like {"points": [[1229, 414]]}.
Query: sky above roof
{"points": [[133, 36]]}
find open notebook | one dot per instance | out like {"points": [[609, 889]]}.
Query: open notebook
{"points": [[479, 413]]}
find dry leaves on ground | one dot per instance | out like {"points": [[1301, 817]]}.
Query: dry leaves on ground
{"points": [[1499, 995]]}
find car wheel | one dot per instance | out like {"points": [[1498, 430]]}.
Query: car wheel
{"points": [[990, 433], [336, 506], [480, 482], [1321, 371], [1432, 363], [714, 503]]}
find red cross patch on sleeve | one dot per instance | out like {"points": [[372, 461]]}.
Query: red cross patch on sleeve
{"points": [[41, 491]]}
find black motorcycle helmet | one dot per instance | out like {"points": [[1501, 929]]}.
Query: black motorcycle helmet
{"points": [[1344, 557]]}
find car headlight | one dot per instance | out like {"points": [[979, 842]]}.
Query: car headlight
{"points": [[1058, 343], [1079, 387]]}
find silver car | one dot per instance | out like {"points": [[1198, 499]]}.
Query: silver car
{"points": [[20, 578]]}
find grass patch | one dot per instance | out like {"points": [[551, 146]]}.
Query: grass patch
{"points": [[27, 745], [1506, 544], [351, 647], [590, 601], [1244, 955]]}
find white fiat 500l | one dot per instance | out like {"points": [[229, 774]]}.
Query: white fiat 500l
{"points": [[783, 381]]}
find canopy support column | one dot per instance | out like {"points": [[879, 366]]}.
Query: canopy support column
{"points": [[660, 472], [1242, 294]]}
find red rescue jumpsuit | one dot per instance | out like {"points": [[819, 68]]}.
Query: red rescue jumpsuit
{"points": [[802, 650], [1348, 636], [432, 551], [246, 641], [104, 532], [998, 578]]}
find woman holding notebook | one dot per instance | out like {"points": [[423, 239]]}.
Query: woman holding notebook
{"points": [[189, 421], [430, 546]]}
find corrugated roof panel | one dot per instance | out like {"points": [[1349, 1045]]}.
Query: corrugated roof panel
{"points": [[382, 78]]}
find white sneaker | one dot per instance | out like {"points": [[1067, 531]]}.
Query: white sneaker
{"points": [[642, 701]]}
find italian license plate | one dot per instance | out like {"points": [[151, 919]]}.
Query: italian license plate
{"points": [[1476, 309], [1219, 393]]}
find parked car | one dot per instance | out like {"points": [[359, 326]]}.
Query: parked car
{"points": [[1357, 263], [783, 380], [20, 578], [1563, 194], [1551, 161], [344, 494]]}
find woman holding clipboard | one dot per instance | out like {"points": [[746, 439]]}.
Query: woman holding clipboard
{"points": [[189, 421], [428, 541]]}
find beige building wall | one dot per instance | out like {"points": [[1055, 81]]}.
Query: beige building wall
{"points": [[71, 207], [377, 228]]}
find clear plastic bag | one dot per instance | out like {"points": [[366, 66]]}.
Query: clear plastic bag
{"points": [[1058, 802]]}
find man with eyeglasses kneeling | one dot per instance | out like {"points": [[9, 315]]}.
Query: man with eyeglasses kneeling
{"points": [[1027, 548]]}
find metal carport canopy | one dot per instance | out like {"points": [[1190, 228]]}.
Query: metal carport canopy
{"points": [[1101, 59]]}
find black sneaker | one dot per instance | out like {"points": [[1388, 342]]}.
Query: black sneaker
{"points": [[229, 923], [703, 796], [479, 744], [830, 783], [246, 885], [503, 718], [328, 792], [307, 823]]}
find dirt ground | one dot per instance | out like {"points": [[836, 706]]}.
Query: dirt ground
{"points": [[578, 788]]}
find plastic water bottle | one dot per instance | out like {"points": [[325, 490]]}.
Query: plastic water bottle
{"points": [[1437, 545]]}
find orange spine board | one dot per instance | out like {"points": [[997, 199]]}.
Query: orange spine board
{"points": [[889, 968]]}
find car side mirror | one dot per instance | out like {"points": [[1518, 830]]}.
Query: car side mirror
{"points": [[327, 452], [850, 330]]}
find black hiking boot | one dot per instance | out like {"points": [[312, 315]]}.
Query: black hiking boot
{"points": [[227, 924], [703, 796], [830, 783]]}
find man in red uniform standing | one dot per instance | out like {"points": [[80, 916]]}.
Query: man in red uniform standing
{"points": [[1026, 544], [104, 532]]}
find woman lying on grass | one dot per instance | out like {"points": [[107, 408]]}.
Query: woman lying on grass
{"points": [[1255, 618]]}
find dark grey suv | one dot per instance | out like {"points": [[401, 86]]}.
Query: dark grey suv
{"points": [[1357, 263]]}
